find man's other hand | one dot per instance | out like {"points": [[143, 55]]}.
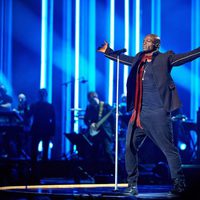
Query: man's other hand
{"points": [[103, 47]]}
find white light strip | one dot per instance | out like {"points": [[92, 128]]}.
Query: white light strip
{"points": [[43, 43], [67, 71], [155, 17], [77, 49], [137, 27], [48, 72], [66, 75], [126, 16], [66, 186], [111, 63], [92, 48]]}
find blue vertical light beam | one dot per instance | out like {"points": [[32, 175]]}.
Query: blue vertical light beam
{"points": [[112, 37], [155, 17], [92, 54], [48, 72], [126, 17], [43, 44], [137, 26], [195, 82], [77, 50]]}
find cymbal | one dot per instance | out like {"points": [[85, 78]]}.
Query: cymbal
{"points": [[179, 117], [80, 116], [77, 109]]}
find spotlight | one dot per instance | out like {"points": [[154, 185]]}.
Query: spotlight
{"points": [[182, 146], [40, 146]]}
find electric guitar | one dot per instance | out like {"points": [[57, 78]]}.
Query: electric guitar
{"points": [[95, 126]]}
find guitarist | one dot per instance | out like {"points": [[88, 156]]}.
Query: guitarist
{"points": [[102, 137]]}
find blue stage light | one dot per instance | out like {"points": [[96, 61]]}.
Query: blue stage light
{"points": [[46, 47], [182, 146], [43, 44], [112, 38], [127, 24], [195, 40], [92, 46], [137, 28], [77, 55], [155, 17]]}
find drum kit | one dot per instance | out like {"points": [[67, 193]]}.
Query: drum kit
{"points": [[187, 132], [179, 117], [79, 113]]}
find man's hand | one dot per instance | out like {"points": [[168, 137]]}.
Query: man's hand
{"points": [[93, 126], [103, 47], [93, 129]]}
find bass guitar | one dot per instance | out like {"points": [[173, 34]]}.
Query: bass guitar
{"points": [[95, 126]]}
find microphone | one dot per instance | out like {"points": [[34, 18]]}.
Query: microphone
{"points": [[84, 81], [118, 52], [81, 80], [66, 83]]}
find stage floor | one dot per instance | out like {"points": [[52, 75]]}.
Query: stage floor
{"points": [[86, 191], [65, 180]]}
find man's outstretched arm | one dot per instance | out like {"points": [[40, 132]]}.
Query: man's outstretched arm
{"points": [[180, 59], [109, 53]]}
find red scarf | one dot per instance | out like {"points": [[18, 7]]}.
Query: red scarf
{"points": [[138, 92]]}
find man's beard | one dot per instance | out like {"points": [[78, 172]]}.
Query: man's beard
{"points": [[150, 50]]}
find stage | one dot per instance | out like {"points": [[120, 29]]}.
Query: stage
{"points": [[62, 180], [94, 191], [83, 191]]}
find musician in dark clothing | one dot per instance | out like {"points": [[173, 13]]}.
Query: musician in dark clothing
{"points": [[23, 138], [102, 137], [5, 100], [5, 106], [152, 96], [43, 124], [23, 108]]}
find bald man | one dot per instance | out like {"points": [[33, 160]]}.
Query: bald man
{"points": [[151, 96]]}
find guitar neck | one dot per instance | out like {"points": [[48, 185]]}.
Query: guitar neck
{"points": [[99, 123]]}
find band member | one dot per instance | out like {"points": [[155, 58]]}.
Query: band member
{"points": [[5, 106], [43, 124], [100, 121], [24, 140], [22, 109], [152, 96], [5, 100], [22, 106]]}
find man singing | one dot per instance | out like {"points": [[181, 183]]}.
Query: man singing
{"points": [[152, 96]]}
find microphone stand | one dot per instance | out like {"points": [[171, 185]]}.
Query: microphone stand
{"points": [[65, 111], [118, 52], [116, 123], [116, 128]]}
